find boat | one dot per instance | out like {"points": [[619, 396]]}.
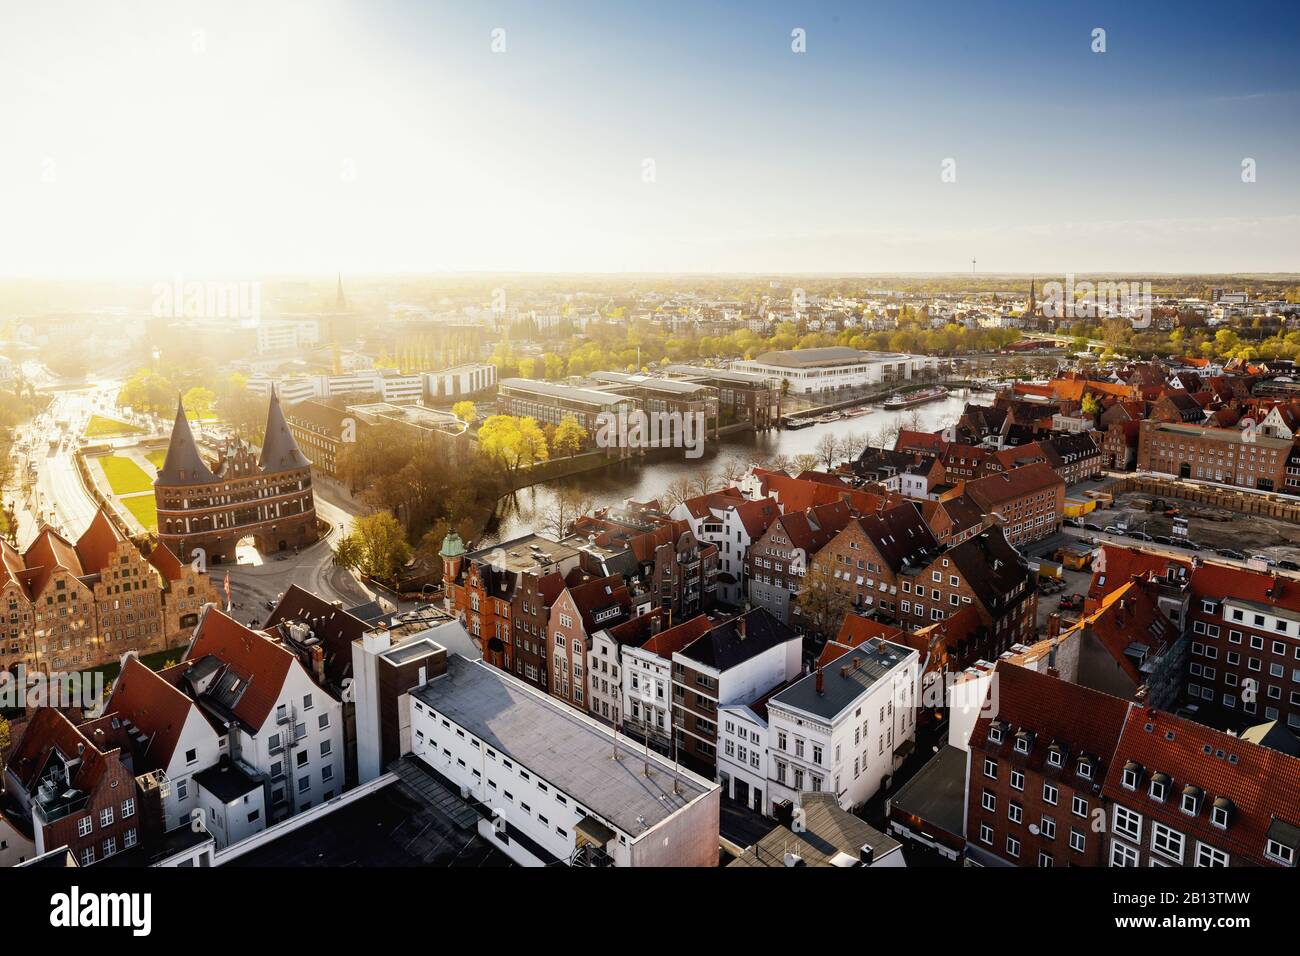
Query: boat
{"points": [[895, 402], [855, 412], [798, 422], [827, 418]]}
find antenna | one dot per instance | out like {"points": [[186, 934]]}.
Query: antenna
{"points": [[972, 266]]}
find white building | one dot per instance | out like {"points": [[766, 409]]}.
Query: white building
{"points": [[561, 788], [837, 367], [731, 522], [846, 727], [743, 760], [277, 721]]}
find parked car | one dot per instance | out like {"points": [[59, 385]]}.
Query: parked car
{"points": [[1112, 529], [1230, 553], [1265, 558], [1139, 536], [1166, 540], [1288, 565], [1070, 602]]}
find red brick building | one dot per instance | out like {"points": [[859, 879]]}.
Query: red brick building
{"points": [[1029, 501], [1037, 766]]}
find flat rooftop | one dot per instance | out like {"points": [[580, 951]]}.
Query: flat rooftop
{"points": [[1234, 436], [721, 374], [569, 752], [390, 827], [587, 396], [525, 553], [845, 679], [675, 386], [828, 357], [937, 794]]}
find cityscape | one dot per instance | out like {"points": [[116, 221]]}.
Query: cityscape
{"points": [[533, 476]]}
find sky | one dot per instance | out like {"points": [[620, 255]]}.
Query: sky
{"points": [[149, 138]]}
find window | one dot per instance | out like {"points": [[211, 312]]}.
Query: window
{"points": [[106, 817], [1017, 780], [84, 826], [1048, 828], [1015, 812], [1166, 841], [1045, 858], [1207, 855], [128, 807], [1013, 847], [1050, 793], [990, 768], [995, 733], [1078, 841], [986, 834], [989, 801], [306, 702], [1127, 823], [1121, 854], [1079, 806], [322, 722], [1132, 774], [1280, 852], [129, 839]]}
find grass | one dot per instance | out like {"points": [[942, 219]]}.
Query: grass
{"points": [[101, 427], [124, 476], [144, 509], [152, 661], [157, 457]]}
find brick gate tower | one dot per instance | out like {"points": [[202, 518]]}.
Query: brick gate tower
{"points": [[213, 505]]}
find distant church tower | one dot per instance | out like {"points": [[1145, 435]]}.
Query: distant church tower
{"points": [[340, 301], [1033, 304], [267, 498]]}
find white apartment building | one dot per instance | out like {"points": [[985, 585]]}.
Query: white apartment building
{"points": [[388, 384], [278, 722], [833, 368], [731, 523], [647, 688], [743, 761], [558, 786], [604, 678], [846, 727]]}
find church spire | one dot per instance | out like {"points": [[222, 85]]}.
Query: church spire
{"points": [[340, 302], [183, 464], [280, 451]]}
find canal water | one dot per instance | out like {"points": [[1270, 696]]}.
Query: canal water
{"points": [[525, 510]]}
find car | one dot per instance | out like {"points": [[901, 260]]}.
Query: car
{"points": [[1112, 529], [1093, 527], [1265, 558], [1288, 565], [1230, 553], [1139, 536], [1166, 540]]}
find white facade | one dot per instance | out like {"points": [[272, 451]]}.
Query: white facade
{"points": [[386, 383], [647, 684], [723, 527], [604, 679], [872, 369], [299, 747], [198, 749], [452, 383], [743, 760], [527, 798], [851, 752]]}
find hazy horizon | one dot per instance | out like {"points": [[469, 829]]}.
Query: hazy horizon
{"points": [[388, 139]]}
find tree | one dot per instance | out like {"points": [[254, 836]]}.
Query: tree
{"points": [[148, 391], [678, 491], [566, 506], [828, 450], [821, 604], [347, 553], [5, 740], [805, 462], [512, 442], [379, 548], [1090, 404], [569, 436], [198, 402], [465, 411]]}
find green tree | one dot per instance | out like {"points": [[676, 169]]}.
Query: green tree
{"points": [[198, 402], [381, 549], [569, 437]]}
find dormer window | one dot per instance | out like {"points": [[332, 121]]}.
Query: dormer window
{"points": [[1132, 775], [1159, 786], [1056, 756], [1191, 803], [1221, 812], [1024, 740], [1085, 769], [995, 732]]}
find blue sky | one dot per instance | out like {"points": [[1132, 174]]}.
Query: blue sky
{"points": [[388, 136]]}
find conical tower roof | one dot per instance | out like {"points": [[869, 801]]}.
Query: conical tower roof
{"points": [[279, 450], [183, 465]]}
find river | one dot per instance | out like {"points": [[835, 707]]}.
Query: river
{"points": [[520, 513]]}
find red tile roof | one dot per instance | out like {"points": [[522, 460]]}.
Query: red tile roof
{"points": [[1263, 784], [1127, 616], [1081, 720], [153, 705], [98, 542], [263, 663]]}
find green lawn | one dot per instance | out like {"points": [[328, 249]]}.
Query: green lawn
{"points": [[101, 427], [157, 457], [124, 476], [144, 509]]}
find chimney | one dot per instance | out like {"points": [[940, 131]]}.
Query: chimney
{"points": [[820, 683], [844, 671], [740, 626], [857, 663], [1053, 626]]}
